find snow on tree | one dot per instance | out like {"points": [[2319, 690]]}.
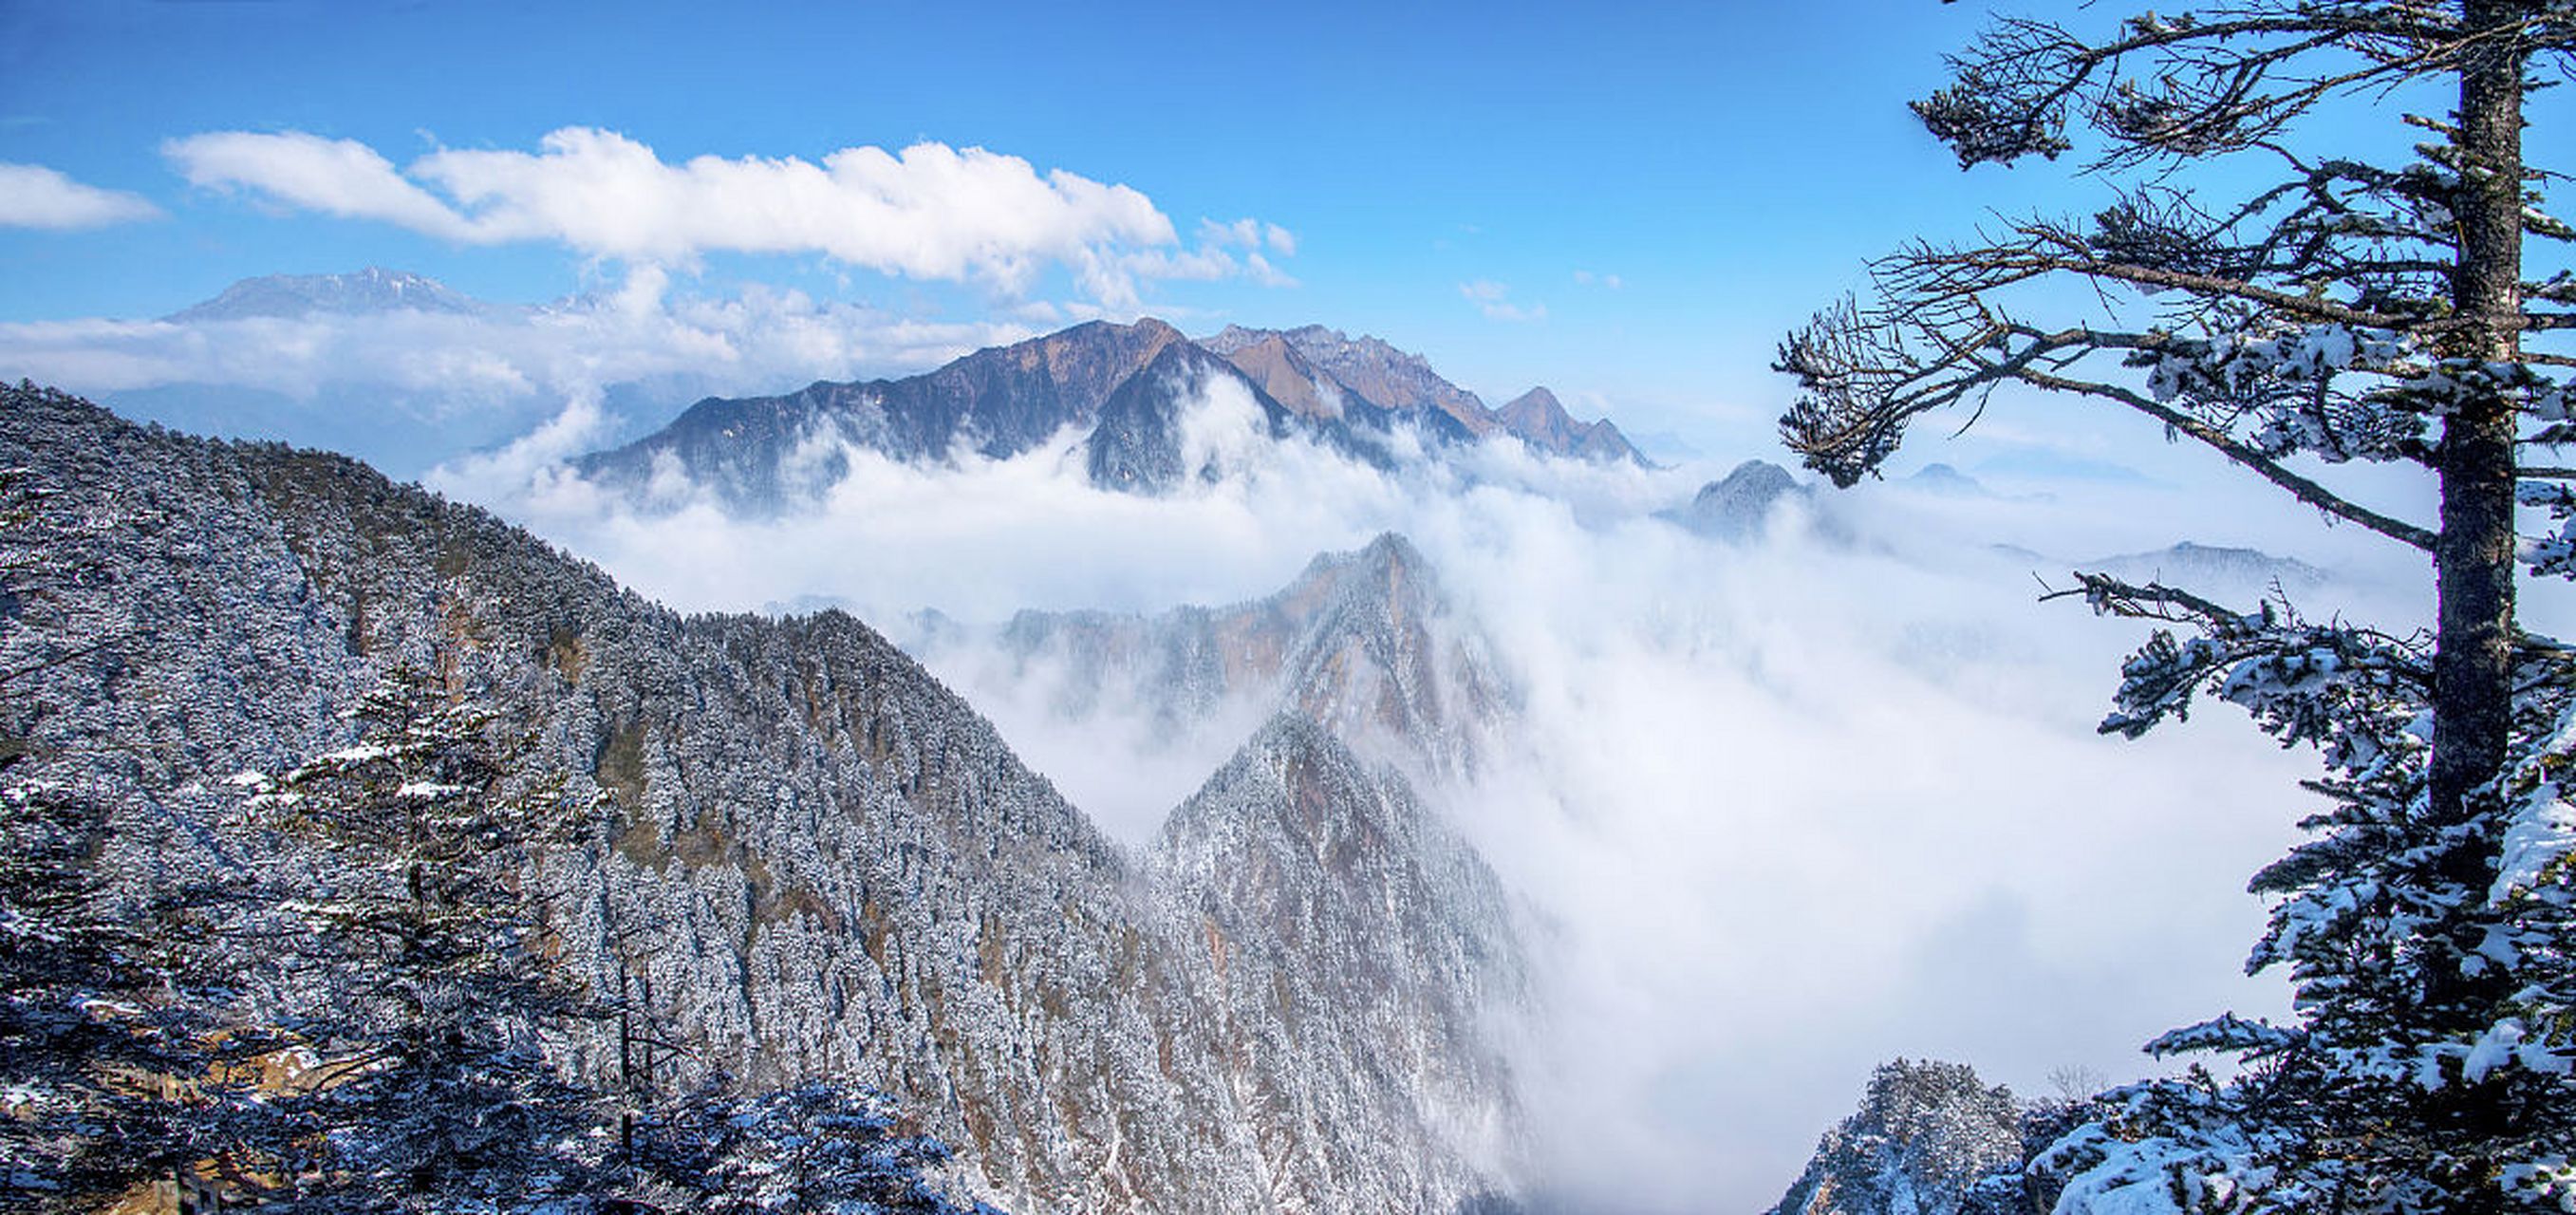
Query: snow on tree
{"points": [[1925, 1133], [817, 1147], [431, 951], [2348, 311], [114, 1072]]}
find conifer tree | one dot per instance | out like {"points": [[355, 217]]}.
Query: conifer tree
{"points": [[122, 1063], [2347, 311], [431, 993]]}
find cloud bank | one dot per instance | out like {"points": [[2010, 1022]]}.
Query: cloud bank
{"points": [[409, 389], [33, 196], [1780, 810], [929, 211]]}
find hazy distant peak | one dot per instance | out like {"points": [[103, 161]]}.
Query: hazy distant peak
{"points": [[1948, 481], [374, 290], [1738, 505], [1752, 478], [2214, 569], [1388, 564]]}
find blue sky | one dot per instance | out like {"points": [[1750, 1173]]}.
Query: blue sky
{"points": [[1627, 203], [1441, 168]]}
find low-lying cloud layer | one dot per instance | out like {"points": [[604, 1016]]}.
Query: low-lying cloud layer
{"points": [[928, 211], [1781, 810], [408, 389]]}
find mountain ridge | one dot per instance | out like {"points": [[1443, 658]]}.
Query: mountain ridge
{"points": [[823, 863], [765, 455]]}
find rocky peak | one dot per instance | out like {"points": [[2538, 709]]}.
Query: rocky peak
{"points": [[1539, 419], [1137, 444], [1282, 372], [1395, 380]]}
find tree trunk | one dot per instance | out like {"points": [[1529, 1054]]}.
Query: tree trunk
{"points": [[2474, 560]]}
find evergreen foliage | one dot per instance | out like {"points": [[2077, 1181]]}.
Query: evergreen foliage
{"points": [[2348, 312], [1924, 1135]]}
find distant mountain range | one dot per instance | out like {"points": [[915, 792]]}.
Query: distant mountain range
{"points": [[1128, 388]]}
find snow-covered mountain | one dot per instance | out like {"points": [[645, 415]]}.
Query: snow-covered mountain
{"points": [[2234, 573], [1127, 389], [1130, 392], [821, 862], [372, 290]]}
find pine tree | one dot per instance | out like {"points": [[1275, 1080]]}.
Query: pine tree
{"points": [[2349, 311], [121, 1062], [433, 992], [818, 1147]]}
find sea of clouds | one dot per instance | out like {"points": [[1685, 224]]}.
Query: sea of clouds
{"points": [[1779, 810]]}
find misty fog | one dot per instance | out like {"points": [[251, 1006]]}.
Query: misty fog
{"points": [[1779, 809]]}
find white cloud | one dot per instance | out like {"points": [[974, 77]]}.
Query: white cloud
{"points": [[929, 211], [1590, 279], [33, 196], [408, 389], [761, 339], [340, 177], [1494, 300]]}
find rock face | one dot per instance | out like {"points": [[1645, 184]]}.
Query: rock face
{"points": [[1139, 444], [822, 862], [1924, 1136], [1392, 379], [1334, 371], [1285, 374]]}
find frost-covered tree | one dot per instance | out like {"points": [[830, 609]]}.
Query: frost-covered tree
{"points": [[2348, 310], [112, 1072], [1924, 1134], [430, 990], [816, 1147], [2345, 311], [114, 1069]]}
